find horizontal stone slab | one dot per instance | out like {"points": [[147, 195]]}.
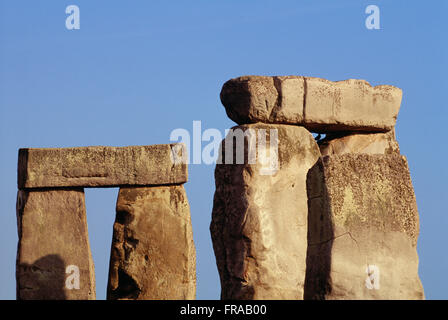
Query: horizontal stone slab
{"points": [[102, 166], [318, 104]]}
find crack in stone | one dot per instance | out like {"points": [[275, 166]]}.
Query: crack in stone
{"points": [[334, 238], [279, 101], [305, 92]]}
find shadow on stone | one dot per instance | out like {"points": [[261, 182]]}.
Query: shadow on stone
{"points": [[127, 288], [42, 280], [320, 236]]}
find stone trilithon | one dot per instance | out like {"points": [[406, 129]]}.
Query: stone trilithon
{"points": [[153, 254], [338, 218]]}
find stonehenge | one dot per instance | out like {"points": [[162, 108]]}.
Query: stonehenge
{"points": [[338, 217], [152, 256], [294, 216]]}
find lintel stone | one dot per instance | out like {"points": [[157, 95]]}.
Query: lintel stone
{"points": [[319, 105], [101, 166]]}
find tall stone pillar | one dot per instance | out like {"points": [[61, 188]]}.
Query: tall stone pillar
{"points": [[259, 220], [53, 257], [153, 255], [363, 229]]}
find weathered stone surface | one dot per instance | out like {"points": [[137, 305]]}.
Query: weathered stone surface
{"points": [[153, 255], [253, 99], [53, 236], [371, 143], [259, 220], [318, 104], [101, 166], [362, 214]]}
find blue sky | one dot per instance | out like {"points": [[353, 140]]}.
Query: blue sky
{"points": [[137, 70]]}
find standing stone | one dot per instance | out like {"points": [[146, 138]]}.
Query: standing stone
{"points": [[153, 255], [369, 143], [53, 257], [259, 220], [363, 229]]}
